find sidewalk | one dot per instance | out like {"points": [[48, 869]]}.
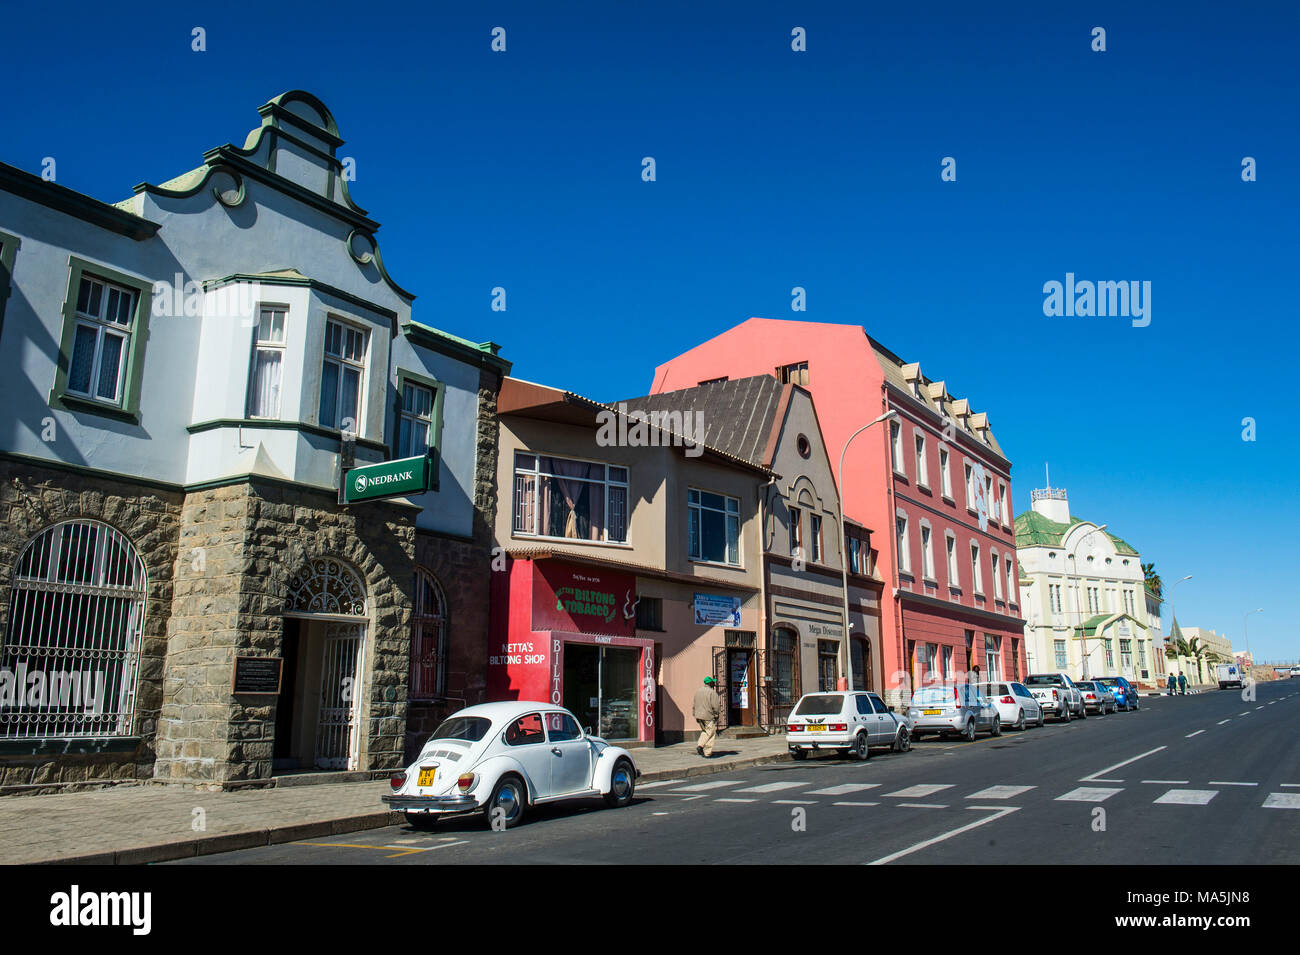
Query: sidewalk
{"points": [[138, 824]]}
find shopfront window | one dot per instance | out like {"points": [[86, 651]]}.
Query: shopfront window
{"points": [[570, 499], [785, 644]]}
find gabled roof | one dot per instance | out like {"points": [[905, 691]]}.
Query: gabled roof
{"points": [[738, 415]]}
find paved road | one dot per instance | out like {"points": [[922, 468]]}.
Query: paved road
{"points": [[1206, 779]]}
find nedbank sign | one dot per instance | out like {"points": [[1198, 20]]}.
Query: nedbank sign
{"points": [[387, 479]]}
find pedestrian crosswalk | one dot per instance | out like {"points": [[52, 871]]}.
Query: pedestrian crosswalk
{"points": [[944, 795]]}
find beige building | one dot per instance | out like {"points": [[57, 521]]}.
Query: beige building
{"points": [[1199, 669]]}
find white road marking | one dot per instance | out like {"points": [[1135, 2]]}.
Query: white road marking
{"points": [[996, 814], [1221, 722], [726, 799], [1166, 782], [665, 782], [1000, 792], [689, 798], [1088, 794], [1133, 759], [1197, 733], [843, 790], [919, 792], [920, 805], [1291, 785], [1219, 782], [794, 802], [855, 804], [1260, 707], [1187, 797], [1282, 801], [773, 787], [1247, 713], [715, 784]]}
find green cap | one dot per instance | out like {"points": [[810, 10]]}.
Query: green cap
{"points": [[709, 681]]}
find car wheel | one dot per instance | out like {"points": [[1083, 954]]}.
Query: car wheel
{"points": [[1083, 712], [798, 754], [421, 820], [1020, 721], [860, 750], [997, 726], [1041, 721], [622, 784], [506, 803], [1067, 714], [969, 733], [903, 742]]}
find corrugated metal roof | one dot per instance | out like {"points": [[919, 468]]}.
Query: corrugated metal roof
{"points": [[737, 415]]}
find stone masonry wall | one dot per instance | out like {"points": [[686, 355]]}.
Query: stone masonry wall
{"points": [[32, 498], [239, 546]]}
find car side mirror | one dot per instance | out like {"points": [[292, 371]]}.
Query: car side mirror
{"points": [[890, 708], [587, 730]]}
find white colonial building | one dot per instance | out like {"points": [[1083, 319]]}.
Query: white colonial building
{"points": [[1083, 596], [187, 372]]}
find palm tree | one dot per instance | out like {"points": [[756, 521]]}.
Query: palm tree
{"points": [[1199, 652], [1153, 581]]}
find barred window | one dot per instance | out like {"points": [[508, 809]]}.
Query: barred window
{"points": [[428, 638], [70, 659]]}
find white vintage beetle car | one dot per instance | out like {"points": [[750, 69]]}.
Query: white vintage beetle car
{"points": [[501, 758]]}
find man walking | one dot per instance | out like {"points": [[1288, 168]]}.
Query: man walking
{"points": [[707, 710], [1173, 684], [1182, 684]]}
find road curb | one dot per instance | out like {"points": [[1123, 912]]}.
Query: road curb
{"points": [[203, 845], [230, 841]]}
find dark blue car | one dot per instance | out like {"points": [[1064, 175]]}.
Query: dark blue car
{"points": [[1126, 695]]}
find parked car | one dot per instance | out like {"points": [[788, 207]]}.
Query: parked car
{"points": [[1097, 697], [1295, 672], [1016, 706], [1057, 694], [849, 721], [1228, 674], [502, 758], [1125, 693], [957, 708]]}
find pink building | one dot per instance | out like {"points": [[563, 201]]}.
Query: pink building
{"points": [[932, 483]]}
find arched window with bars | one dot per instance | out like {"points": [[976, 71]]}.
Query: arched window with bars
{"points": [[70, 659], [428, 638]]}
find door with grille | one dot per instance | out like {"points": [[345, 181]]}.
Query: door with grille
{"points": [[340, 691]]}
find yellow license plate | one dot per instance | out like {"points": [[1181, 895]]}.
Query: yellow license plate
{"points": [[816, 729], [931, 712], [426, 776]]}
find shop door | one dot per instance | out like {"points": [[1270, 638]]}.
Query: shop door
{"points": [[740, 682], [600, 688], [340, 693]]}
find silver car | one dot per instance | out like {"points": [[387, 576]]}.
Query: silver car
{"points": [[1016, 705], [953, 708]]}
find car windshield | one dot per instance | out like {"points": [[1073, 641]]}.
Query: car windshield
{"points": [[820, 705], [469, 728], [1045, 680], [1108, 681], [932, 694]]}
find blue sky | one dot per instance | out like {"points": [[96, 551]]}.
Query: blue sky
{"points": [[818, 169]]}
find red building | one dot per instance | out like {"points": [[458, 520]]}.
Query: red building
{"points": [[932, 483]]}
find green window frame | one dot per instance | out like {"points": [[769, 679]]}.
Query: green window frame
{"points": [[405, 378], [138, 331], [9, 245]]}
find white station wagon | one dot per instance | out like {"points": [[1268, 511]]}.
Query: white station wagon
{"points": [[500, 758]]}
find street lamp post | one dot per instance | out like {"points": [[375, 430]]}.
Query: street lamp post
{"points": [[1173, 613], [844, 549], [1246, 630], [1075, 557]]}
